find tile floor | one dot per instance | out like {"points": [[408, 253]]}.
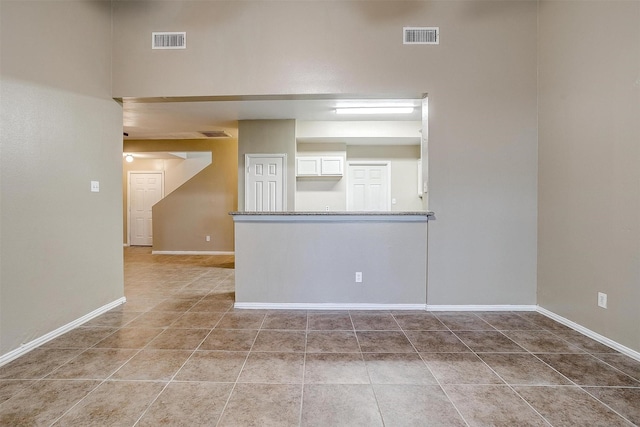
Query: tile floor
{"points": [[179, 354]]}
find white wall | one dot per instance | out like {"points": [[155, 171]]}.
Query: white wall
{"points": [[403, 167], [61, 251], [316, 193]]}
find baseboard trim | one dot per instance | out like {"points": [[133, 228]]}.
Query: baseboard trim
{"points": [[31, 345], [505, 307], [591, 334], [325, 306], [192, 252]]}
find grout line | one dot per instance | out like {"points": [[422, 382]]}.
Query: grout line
{"points": [[97, 386], [476, 353], [173, 267], [181, 366], [304, 368], [240, 372], [431, 371]]}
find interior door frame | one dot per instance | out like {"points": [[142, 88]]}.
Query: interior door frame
{"points": [[386, 163], [247, 165], [129, 173]]}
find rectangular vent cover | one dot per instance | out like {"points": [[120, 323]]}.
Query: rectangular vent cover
{"points": [[173, 40], [215, 133], [421, 35]]}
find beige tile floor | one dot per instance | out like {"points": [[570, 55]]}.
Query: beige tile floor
{"points": [[177, 353]]}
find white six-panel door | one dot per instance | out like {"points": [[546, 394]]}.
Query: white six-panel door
{"points": [[368, 186], [265, 182], [145, 190]]}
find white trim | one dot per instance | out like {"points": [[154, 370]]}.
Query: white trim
{"points": [[31, 345], [325, 306], [506, 307], [386, 163], [575, 326], [129, 198], [125, 245], [192, 253], [591, 334]]}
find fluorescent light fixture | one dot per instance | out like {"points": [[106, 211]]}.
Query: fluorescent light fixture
{"points": [[375, 110]]}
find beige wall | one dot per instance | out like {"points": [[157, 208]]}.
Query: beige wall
{"points": [[589, 171], [267, 137], [482, 87], [483, 159], [179, 171], [200, 207], [61, 250], [293, 260], [176, 173]]}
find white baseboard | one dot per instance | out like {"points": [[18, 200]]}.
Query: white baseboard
{"points": [[31, 345], [593, 335], [505, 307], [326, 306], [192, 252]]}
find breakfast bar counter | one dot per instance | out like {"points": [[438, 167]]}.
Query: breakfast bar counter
{"points": [[331, 260]]}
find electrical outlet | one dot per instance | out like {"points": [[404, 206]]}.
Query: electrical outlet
{"points": [[207, 238], [358, 276], [326, 208], [602, 300]]}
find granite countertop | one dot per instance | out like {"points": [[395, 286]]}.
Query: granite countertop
{"points": [[337, 213]]}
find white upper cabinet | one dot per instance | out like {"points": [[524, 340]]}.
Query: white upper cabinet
{"points": [[331, 166], [319, 166], [308, 166]]}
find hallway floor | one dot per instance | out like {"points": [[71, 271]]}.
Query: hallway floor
{"points": [[178, 353]]}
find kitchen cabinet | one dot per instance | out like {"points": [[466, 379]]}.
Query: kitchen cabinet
{"points": [[318, 166]]}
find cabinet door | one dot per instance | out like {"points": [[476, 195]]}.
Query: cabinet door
{"points": [[331, 166], [307, 166]]}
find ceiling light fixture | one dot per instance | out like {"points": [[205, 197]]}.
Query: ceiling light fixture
{"points": [[128, 158], [375, 110]]}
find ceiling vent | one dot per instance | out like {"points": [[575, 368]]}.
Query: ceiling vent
{"points": [[421, 35], [215, 134], [174, 40]]}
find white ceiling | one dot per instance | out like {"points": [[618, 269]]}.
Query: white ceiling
{"points": [[184, 118]]}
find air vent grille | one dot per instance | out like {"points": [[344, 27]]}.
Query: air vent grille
{"points": [[215, 133], [421, 35], [174, 40]]}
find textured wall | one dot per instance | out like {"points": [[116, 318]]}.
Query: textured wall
{"points": [[482, 87], [295, 261], [61, 246], [200, 207], [589, 173]]}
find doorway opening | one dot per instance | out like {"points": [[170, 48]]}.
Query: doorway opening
{"points": [[145, 189]]}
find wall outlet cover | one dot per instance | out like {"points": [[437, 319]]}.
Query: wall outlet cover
{"points": [[602, 300]]}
